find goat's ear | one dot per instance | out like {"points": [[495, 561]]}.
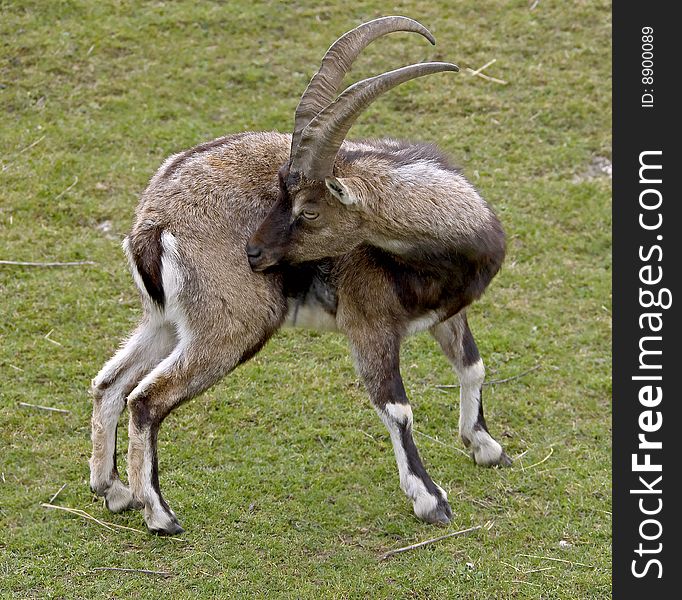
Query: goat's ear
{"points": [[340, 190]]}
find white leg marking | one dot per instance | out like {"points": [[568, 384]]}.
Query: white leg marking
{"points": [[155, 515], [398, 413], [425, 503], [485, 449], [471, 379]]}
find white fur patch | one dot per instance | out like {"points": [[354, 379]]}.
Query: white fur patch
{"points": [[158, 519], [485, 449], [399, 413], [424, 171], [171, 273], [391, 245], [119, 497], [133, 269], [163, 367], [416, 491], [142, 337], [422, 323], [424, 502], [471, 378], [473, 374]]}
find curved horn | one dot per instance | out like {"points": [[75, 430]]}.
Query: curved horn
{"points": [[324, 85], [323, 136]]}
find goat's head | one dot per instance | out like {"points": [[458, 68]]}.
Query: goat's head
{"points": [[316, 214]]}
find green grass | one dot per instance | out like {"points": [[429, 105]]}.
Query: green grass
{"points": [[282, 474]]}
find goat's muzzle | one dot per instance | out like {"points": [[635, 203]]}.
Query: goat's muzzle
{"points": [[260, 258], [255, 256], [268, 245]]}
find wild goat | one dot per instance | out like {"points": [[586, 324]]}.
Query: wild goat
{"points": [[377, 239]]}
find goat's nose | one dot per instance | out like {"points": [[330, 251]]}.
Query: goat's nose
{"points": [[253, 251]]}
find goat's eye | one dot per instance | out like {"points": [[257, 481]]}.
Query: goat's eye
{"points": [[311, 215]]}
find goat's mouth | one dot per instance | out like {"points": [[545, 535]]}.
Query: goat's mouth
{"points": [[260, 266]]}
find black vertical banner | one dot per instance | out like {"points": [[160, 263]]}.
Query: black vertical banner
{"points": [[647, 348]]}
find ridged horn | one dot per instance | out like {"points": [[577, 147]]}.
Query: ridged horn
{"points": [[324, 86], [322, 137]]}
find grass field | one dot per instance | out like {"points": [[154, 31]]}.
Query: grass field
{"points": [[282, 475]]}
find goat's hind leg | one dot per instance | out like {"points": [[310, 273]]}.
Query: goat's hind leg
{"points": [[192, 367], [146, 347], [457, 342]]}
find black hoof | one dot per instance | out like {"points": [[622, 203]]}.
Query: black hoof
{"points": [[441, 515], [173, 529], [99, 491], [505, 461]]}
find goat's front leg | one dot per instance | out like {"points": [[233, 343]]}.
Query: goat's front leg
{"points": [[377, 362], [457, 342]]}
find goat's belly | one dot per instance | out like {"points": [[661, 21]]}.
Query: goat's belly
{"points": [[309, 315]]}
